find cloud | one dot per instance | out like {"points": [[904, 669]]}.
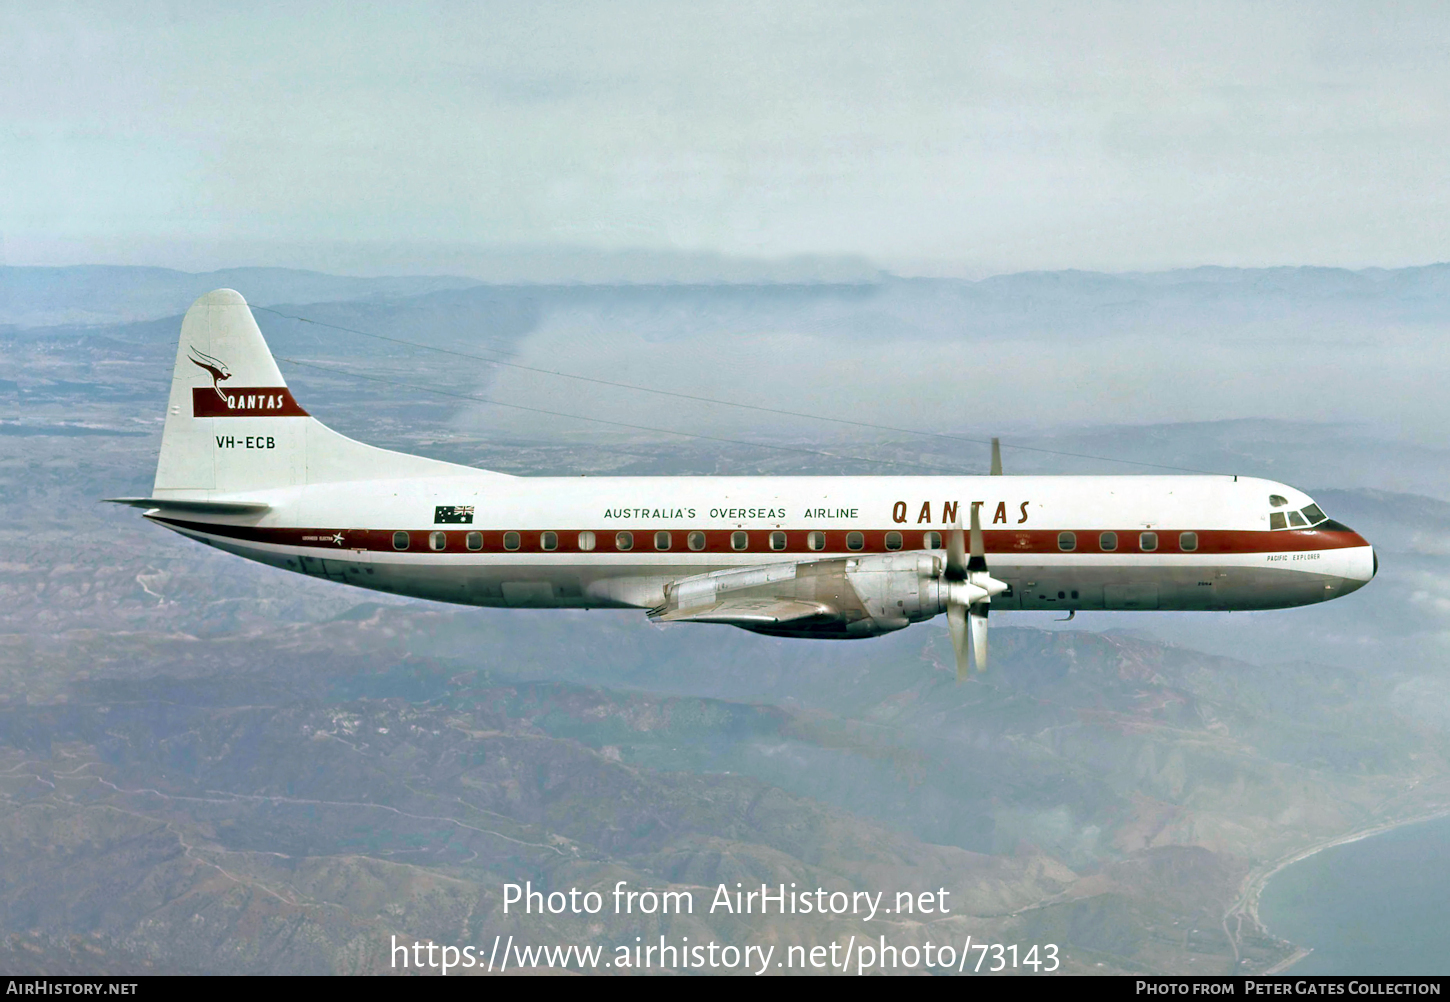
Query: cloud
{"points": [[936, 138]]}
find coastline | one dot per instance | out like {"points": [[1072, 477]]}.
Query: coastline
{"points": [[1247, 903]]}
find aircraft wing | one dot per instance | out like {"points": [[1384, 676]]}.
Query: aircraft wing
{"points": [[747, 611], [763, 596]]}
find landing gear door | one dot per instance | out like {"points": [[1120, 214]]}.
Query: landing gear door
{"points": [[1130, 596]]}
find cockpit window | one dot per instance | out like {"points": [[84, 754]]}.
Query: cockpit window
{"points": [[1311, 515], [1277, 501]]}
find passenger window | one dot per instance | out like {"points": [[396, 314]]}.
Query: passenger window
{"points": [[1147, 541], [1296, 519], [1277, 501], [777, 540], [695, 540], [400, 540], [1066, 541], [816, 541], [931, 540], [474, 540], [893, 540], [586, 540], [624, 540], [549, 541], [662, 541], [1108, 542], [436, 540], [1188, 541], [855, 541], [739, 541], [510, 540], [1276, 520], [1314, 515]]}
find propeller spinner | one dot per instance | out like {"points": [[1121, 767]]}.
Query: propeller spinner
{"points": [[969, 587]]}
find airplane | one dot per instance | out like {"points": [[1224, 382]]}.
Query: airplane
{"points": [[244, 468]]}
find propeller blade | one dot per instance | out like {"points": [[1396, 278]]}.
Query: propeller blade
{"points": [[977, 616], [957, 622], [969, 588], [956, 554], [978, 561], [996, 457]]}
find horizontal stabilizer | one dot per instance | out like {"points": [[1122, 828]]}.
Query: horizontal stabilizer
{"points": [[746, 612], [206, 507]]}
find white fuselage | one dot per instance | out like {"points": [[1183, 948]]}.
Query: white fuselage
{"points": [[1179, 542], [244, 467]]}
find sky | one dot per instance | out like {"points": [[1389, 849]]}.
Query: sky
{"points": [[957, 138]]}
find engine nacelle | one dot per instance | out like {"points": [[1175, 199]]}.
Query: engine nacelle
{"points": [[895, 589], [853, 596]]}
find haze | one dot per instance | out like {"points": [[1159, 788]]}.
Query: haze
{"points": [[593, 141]]}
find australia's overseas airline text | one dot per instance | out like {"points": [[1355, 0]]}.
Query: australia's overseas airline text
{"points": [[902, 512]]}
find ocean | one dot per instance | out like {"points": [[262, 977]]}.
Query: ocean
{"points": [[1377, 906]]}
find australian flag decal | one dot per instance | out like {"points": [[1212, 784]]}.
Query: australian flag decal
{"points": [[449, 514]]}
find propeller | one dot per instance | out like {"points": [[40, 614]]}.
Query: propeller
{"points": [[969, 587]]}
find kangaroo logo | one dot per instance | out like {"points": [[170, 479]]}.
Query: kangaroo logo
{"points": [[217, 368]]}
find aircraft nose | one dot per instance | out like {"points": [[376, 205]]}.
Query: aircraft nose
{"points": [[1360, 566]]}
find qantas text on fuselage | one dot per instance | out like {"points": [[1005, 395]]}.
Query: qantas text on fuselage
{"points": [[243, 467]]}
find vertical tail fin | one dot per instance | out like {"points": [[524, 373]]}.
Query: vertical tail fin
{"points": [[233, 426]]}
